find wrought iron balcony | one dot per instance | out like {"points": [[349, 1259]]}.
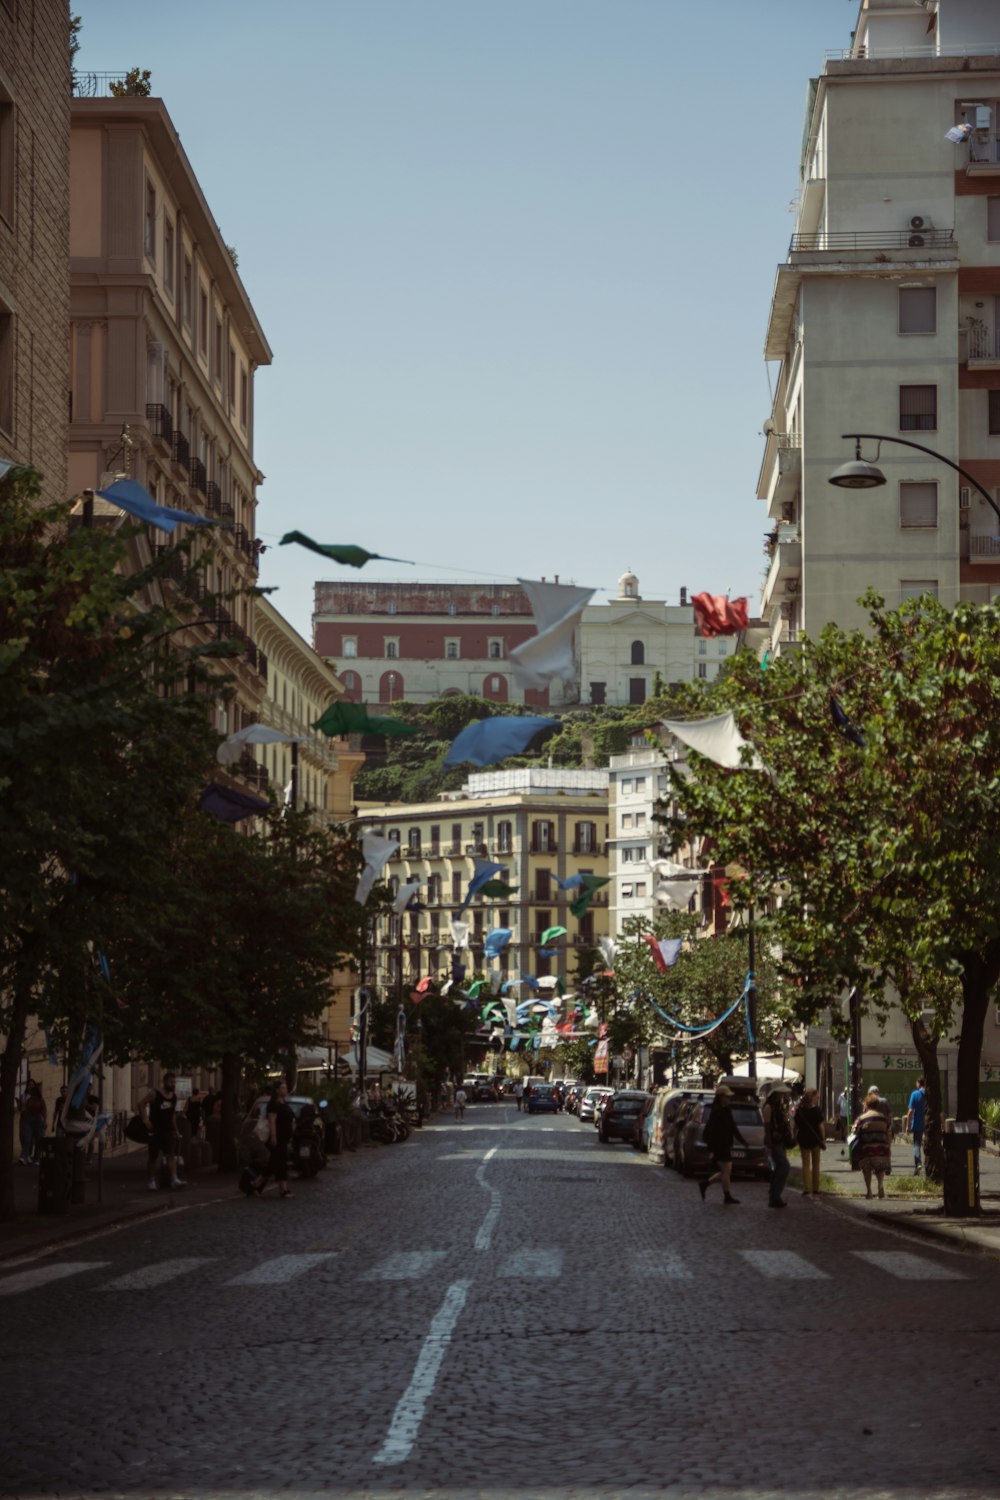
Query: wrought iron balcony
{"points": [[197, 472], [827, 241], [213, 497], [160, 425], [180, 450]]}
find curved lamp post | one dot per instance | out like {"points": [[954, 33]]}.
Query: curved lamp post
{"points": [[859, 474]]}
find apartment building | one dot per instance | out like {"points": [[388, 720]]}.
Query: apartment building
{"points": [[164, 347], [885, 318], [34, 239], [630, 643], [541, 826], [421, 641]]}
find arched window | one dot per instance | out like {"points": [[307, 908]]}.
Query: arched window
{"points": [[638, 654]]}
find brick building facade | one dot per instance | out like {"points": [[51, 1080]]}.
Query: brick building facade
{"points": [[420, 641], [34, 238]]}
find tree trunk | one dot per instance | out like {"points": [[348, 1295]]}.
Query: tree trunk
{"points": [[10, 1063], [980, 972], [926, 1043], [228, 1161]]}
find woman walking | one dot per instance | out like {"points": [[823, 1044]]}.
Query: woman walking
{"points": [[777, 1139], [874, 1143], [720, 1133], [281, 1123], [810, 1133]]}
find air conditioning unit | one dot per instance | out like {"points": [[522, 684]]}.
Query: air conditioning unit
{"points": [[916, 240], [964, 498], [921, 221]]}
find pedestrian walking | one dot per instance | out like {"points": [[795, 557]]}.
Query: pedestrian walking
{"points": [[281, 1123], [916, 1116], [841, 1111], [810, 1132], [873, 1133], [720, 1133], [160, 1108], [32, 1130], [519, 1093], [777, 1139], [460, 1098]]}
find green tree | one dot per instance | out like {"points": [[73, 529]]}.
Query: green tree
{"points": [[887, 855]]}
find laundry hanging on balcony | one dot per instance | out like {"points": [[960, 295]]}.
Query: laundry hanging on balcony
{"points": [[716, 615], [557, 608], [351, 556]]}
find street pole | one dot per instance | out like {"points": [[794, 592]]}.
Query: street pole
{"points": [[295, 776], [854, 1007], [752, 994]]}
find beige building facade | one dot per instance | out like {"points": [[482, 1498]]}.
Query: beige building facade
{"points": [[34, 239], [627, 646]]}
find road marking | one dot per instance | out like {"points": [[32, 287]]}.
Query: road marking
{"points": [[547, 1263], [156, 1275], [783, 1264], [409, 1413], [284, 1268], [406, 1265], [484, 1234], [26, 1281], [663, 1264], [908, 1267]]}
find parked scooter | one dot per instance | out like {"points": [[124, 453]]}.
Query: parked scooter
{"points": [[308, 1156]]}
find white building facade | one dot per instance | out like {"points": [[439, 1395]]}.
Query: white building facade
{"points": [[885, 319]]}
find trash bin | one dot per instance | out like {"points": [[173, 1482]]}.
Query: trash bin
{"points": [[961, 1173], [55, 1175]]}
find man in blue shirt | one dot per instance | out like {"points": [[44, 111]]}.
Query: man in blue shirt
{"points": [[915, 1121]]}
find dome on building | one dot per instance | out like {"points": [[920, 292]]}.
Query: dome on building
{"points": [[628, 586]]}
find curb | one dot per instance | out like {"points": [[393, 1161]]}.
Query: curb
{"points": [[950, 1234], [79, 1234]]}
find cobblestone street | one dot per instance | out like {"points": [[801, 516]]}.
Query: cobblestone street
{"points": [[501, 1308]]}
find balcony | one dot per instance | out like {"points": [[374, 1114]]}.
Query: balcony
{"points": [[785, 548], [196, 470], [412, 851], [180, 452], [984, 155], [869, 244], [253, 774], [552, 848], [213, 498], [256, 659], [982, 345], [476, 850], [160, 425], [452, 850], [984, 547]]}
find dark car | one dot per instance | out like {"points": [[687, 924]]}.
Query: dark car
{"points": [[671, 1107], [484, 1091], [543, 1099], [749, 1159], [620, 1113]]}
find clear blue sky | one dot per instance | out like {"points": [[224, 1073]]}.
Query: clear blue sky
{"points": [[514, 259]]}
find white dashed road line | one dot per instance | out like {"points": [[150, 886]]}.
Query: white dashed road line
{"points": [[484, 1234], [783, 1264], [908, 1267], [157, 1274], [284, 1268], [528, 1262], [409, 1413], [406, 1265], [26, 1281]]}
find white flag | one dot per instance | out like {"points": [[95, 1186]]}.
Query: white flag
{"points": [[376, 851], [230, 750], [557, 608], [408, 889], [460, 933], [717, 739]]}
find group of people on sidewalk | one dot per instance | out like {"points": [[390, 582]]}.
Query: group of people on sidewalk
{"points": [[33, 1119], [870, 1142]]}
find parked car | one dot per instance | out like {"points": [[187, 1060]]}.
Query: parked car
{"points": [[485, 1091], [588, 1104], [543, 1099], [669, 1108], [297, 1103], [620, 1113], [749, 1160], [574, 1094], [644, 1122]]}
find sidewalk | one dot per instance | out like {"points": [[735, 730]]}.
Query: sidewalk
{"points": [[125, 1194], [914, 1215]]}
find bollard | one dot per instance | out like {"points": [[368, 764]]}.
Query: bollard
{"points": [[54, 1175], [961, 1174]]}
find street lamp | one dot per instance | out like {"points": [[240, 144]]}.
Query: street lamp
{"points": [[859, 474]]}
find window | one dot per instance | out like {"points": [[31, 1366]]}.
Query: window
{"points": [[543, 885], [627, 890], [7, 157], [456, 885], [494, 684], [187, 292], [436, 843], [391, 649], [627, 787], [640, 785], [451, 650], [452, 609], [918, 505], [413, 840], [913, 588], [640, 889], [723, 648], [456, 836], [598, 692], [626, 856], [6, 370], [994, 413], [993, 219], [918, 408], [390, 608], [494, 609], [702, 669], [495, 650], [168, 256], [216, 348], [244, 397], [586, 838], [640, 820], [918, 309], [702, 648], [350, 645], [203, 323], [149, 223], [505, 838], [626, 820], [638, 654], [543, 835], [231, 379]]}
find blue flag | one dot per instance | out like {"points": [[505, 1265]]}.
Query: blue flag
{"points": [[485, 741], [129, 495]]}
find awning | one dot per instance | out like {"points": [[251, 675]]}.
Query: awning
{"points": [[767, 1068]]}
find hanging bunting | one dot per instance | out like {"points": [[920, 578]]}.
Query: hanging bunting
{"points": [[232, 748], [664, 950], [131, 497], [344, 717], [349, 555], [375, 850], [557, 609], [718, 740], [716, 615], [484, 742]]}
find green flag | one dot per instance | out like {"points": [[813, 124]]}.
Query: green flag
{"points": [[496, 888], [550, 934], [591, 884], [353, 557], [343, 717]]}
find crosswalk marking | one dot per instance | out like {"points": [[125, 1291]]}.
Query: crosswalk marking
{"points": [[784, 1264], [547, 1263], [407, 1265], [908, 1267], [283, 1268], [26, 1281], [156, 1274], [661, 1264]]}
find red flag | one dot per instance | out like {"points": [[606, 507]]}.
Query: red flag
{"points": [[716, 615]]}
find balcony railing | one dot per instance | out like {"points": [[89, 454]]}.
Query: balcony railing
{"points": [[160, 425], [180, 451], [983, 344], [213, 497], [984, 546], [550, 848], [872, 239], [452, 850], [249, 771], [984, 150], [196, 470]]}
